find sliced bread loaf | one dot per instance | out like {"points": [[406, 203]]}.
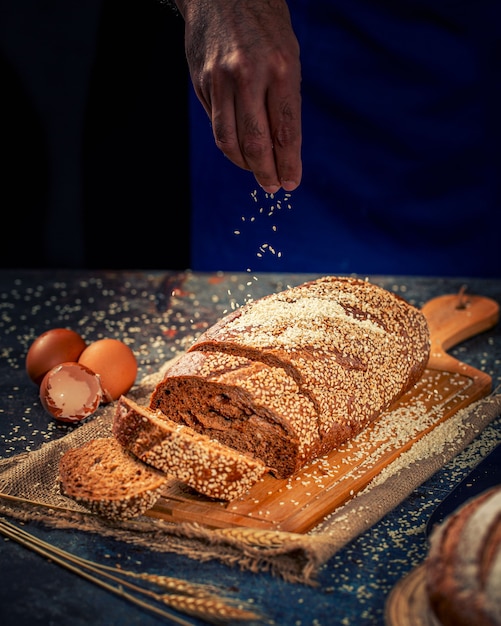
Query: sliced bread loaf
{"points": [[207, 466], [291, 376], [109, 481]]}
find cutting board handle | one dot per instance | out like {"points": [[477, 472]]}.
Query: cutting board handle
{"points": [[453, 318]]}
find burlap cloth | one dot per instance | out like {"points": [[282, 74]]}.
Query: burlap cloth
{"points": [[30, 479]]}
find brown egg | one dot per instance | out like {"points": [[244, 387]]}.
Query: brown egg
{"points": [[115, 364], [70, 392], [50, 349]]}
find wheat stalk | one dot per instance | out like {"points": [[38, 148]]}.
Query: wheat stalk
{"points": [[192, 599], [211, 609]]}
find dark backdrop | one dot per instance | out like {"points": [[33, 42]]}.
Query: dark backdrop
{"points": [[94, 135]]}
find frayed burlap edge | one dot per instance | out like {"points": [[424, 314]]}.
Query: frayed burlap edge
{"points": [[294, 557]]}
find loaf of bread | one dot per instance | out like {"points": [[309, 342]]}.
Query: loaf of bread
{"points": [[289, 377], [271, 386], [207, 466], [463, 567], [102, 476]]}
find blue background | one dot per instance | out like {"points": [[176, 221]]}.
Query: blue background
{"points": [[401, 160]]}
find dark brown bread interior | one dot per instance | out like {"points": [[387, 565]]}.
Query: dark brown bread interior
{"points": [[291, 376], [210, 468]]}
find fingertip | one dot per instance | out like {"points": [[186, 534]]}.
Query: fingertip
{"points": [[289, 185], [286, 185], [271, 189]]}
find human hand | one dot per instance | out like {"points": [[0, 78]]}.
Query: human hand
{"points": [[243, 58]]}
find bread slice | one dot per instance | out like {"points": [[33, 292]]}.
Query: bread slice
{"points": [[109, 481], [207, 466]]}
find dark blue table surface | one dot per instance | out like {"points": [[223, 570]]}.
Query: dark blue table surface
{"points": [[160, 313]]}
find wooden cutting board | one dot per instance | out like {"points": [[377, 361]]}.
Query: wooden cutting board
{"points": [[297, 504]]}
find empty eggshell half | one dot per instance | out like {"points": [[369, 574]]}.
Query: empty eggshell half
{"points": [[70, 392]]}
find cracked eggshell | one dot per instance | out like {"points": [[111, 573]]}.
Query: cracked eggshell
{"points": [[115, 364], [70, 392], [55, 346]]}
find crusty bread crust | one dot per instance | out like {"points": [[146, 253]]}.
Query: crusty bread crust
{"points": [[102, 476], [207, 466], [463, 567], [291, 376]]}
